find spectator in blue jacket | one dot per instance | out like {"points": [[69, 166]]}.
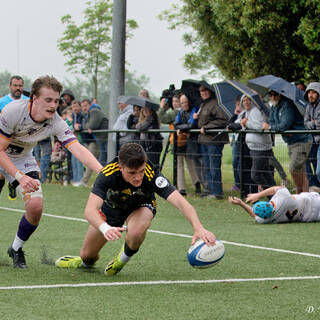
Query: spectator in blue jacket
{"points": [[284, 116]]}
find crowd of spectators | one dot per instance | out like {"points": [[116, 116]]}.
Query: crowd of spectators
{"points": [[202, 151]]}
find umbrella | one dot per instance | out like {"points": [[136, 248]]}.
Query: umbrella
{"points": [[225, 93], [139, 101], [267, 83], [251, 94]]}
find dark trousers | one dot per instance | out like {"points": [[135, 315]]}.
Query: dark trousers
{"points": [[261, 173]]}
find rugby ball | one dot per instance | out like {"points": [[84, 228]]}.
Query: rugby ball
{"points": [[202, 256]]}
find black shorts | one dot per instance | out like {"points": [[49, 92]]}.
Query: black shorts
{"points": [[117, 217]]}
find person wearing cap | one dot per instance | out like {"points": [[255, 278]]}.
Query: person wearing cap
{"points": [[312, 122], [284, 115], [282, 207], [121, 123]]}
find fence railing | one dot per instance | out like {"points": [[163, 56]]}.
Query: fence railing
{"points": [[174, 147]]}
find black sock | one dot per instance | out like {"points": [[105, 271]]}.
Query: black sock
{"points": [[2, 181], [128, 251]]}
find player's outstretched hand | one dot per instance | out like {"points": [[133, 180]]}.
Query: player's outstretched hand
{"points": [[208, 237], [252, 198], [235, 200], [114, 233], [29, 184]]}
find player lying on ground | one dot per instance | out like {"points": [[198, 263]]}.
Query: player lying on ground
{"points": [[124, 191], [282, 207], [22, 125]]}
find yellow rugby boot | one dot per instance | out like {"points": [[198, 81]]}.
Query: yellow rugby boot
{"points": [[115, 265], [69, 262]]}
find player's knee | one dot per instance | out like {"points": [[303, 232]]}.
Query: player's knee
{"points": [[34, 208], [87, 257]]}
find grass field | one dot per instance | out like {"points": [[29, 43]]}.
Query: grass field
{"points": [[253, 281]]}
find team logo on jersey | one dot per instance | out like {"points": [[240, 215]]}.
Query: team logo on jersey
{"points": [[161, 182], [67, 132]]}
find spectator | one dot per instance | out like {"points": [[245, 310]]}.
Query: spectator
{"points": [[97, 120], [260, 145], [121, 122], [77, 167], [285, 116], [312, 122], [184, 122], [133, 120], [210, 116], [16, 89], [65, 101], [166, 114], [88, 140], [248, 186], [235, 146], [151, 141], [67, 117], [144, 93], [42, 153]]}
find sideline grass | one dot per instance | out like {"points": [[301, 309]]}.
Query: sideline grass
{"points": [[161, 257]]}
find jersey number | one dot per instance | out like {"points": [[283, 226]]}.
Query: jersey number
{"points": [[290, 215]]}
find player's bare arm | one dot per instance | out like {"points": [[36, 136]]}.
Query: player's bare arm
{"points": [[254, 197], [27, 183], [238, 202], [177, 200], [85, 156], [93, 216]]}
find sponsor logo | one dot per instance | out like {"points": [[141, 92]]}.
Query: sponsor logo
{"points": [[161, 182]]}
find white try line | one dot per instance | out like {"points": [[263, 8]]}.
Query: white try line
{"points": [[152, 283], [183, 235]]}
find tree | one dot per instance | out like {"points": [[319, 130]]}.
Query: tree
{"points": [[249, 38], [88, 46], [84, 88]]}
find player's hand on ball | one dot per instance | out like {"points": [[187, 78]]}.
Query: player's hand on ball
{"points": [[114, 233], [208, 237]]}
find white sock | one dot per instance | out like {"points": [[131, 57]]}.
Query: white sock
{"points": [[17, 243], [124, 258]]}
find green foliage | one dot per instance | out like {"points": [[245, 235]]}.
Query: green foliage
{"points": [[5, 80], [84, 88], [250, 38], [87, 47]]}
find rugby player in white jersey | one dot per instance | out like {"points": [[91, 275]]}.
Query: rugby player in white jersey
{"points": [[21, 127], [282, 207]]}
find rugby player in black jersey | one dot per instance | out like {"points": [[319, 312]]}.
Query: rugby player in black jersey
{"points": [[124, 192]]}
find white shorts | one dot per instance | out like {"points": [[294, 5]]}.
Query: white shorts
{"points": [[26, 164]]}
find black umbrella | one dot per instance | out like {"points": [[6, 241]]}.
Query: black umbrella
{"points": [[255, 98], [271, 83], [225, 93], [139, 101]]}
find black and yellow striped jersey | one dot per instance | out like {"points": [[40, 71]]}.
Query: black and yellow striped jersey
{"points": [[119, 194]]}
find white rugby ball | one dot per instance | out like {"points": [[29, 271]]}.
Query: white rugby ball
{"points": [[202, 256]]}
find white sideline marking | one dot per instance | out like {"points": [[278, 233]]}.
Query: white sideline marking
{"points": [[185, 236], [160, 282]]}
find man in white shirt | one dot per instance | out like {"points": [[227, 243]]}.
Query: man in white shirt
{"points": [[21, 127]]}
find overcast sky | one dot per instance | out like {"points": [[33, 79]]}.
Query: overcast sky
{"points": [[30, 29]]}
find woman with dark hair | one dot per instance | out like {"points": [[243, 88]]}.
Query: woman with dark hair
{"points": [[151, 141]]}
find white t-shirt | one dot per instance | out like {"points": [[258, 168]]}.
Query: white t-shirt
{"points": [[18, 127], [303, 207]]}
